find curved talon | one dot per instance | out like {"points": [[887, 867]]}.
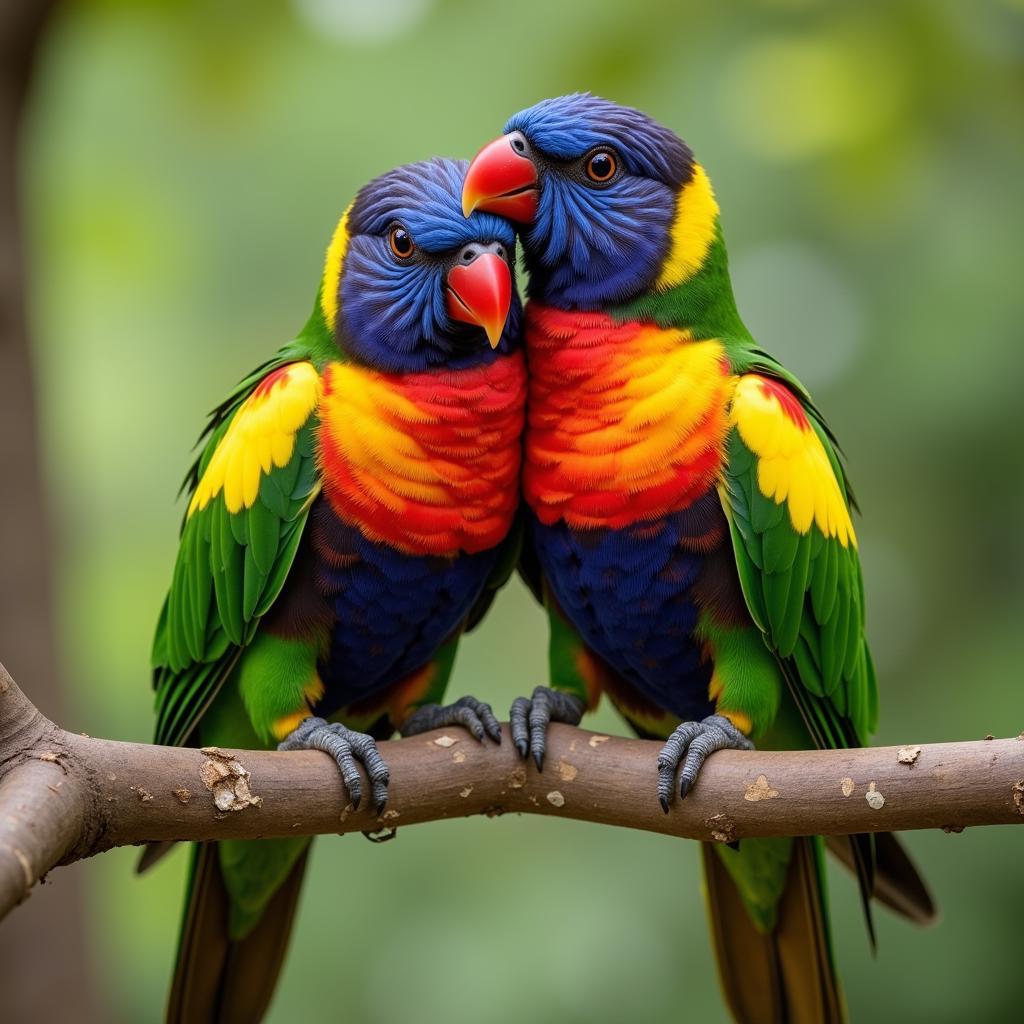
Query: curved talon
{"points": [[517, 720], [530, 717], [475, 715], [692, 743], [346, 747]]}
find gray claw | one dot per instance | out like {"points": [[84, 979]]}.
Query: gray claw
{"points": [[346, 747], [517, 716], [473, 714], [692, 743], [530, 717]]}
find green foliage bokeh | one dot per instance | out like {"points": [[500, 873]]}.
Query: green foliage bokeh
{"points": [[185, 165]]}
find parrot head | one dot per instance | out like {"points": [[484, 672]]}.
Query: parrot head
{"points": [[609, 200], [410, 283]]}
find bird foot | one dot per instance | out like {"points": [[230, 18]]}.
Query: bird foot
{"points": [[690, 745], [346, 747], [530, 717], [472, 714]]}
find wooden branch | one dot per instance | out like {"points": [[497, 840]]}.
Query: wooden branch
{"points": [[66, 797], [41, 818]]}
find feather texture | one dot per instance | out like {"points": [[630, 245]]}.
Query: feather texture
{"points": [[351, 506]]}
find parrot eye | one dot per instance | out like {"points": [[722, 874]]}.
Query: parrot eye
{"points": [[601, 166], [401, 242]]}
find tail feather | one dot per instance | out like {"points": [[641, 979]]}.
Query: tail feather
{"points": [[153, 853], [862, 859], [217, 979], [898, 884], [786, 975]]}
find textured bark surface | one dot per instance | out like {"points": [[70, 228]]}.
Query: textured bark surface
{"points": [[113, 794]]}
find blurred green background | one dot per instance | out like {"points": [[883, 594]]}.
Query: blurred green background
{"points": [[185, 163]]}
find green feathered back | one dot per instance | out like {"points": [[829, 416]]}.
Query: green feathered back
{"points": [[232, 564]]}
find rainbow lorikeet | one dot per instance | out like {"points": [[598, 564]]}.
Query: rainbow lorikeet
{"points": [[689, 519], [351, 513]]}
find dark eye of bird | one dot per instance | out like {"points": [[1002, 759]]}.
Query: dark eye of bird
{"points": [[601, 166], [401, 242]]}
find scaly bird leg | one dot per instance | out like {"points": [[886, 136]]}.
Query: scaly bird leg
{"points": [[346, 747], [530, 717], [472, 714], [695, 741]]}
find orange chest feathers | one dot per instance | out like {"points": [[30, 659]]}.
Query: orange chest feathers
{"points": [[626, 422], [427, 462]]}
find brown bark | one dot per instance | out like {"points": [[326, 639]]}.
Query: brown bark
{"points": [[112, 794]]}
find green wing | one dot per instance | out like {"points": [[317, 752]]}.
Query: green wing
{"points": [[790, 513], [250, 492]]}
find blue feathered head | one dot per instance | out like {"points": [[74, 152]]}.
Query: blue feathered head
{"points": [[410, 283], [596, 187]]}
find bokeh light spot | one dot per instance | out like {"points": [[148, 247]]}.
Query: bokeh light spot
{"points": [[790, 98], [355, 21]]}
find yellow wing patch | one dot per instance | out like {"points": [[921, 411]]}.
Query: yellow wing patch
{"points": [[693, 231], [792, 464], [261, 436]]}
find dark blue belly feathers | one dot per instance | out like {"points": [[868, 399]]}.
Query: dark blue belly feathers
{"points": [[635, 596], [391, 611]]}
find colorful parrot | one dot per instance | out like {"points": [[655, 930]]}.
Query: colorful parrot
{"points": [[689, 522], [351, 513]]}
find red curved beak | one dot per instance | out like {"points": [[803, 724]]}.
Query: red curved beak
{"points": [[480, 293], [502, 181]]}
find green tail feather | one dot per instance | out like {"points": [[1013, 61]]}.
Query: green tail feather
{"points": [[222, 975], [775, 962]]}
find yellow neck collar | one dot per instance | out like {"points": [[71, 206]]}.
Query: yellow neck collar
{"points": [[693, 231], [332, 269]]}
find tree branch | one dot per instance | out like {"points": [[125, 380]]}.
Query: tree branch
{"points": [[64, 797]]}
